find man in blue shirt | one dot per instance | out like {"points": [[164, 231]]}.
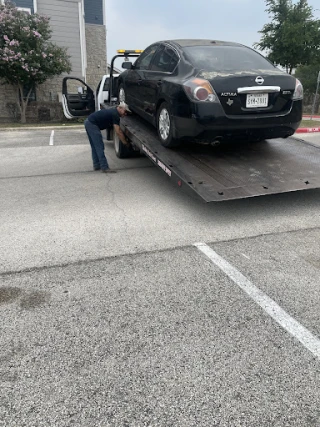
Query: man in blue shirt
{"points": [[98, 121]]}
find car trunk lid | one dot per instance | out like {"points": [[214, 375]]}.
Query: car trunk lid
{"points": [[252, 93]]}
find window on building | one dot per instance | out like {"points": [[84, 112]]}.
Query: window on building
{"points": [[32, 96], [27, 10]]}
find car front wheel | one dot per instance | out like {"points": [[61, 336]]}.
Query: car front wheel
{"points": [[164, 126]]}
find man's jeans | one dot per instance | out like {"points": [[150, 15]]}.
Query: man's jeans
{"points": [[97, 145]]}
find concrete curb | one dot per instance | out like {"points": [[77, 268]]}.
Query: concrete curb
{"points": [[41, 128], [308, 130], [299, 130]]}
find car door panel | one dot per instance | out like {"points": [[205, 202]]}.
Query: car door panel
{"points": [[163, 64], [78, 98], [136, 84]]}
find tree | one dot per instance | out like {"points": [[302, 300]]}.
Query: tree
{"points": [[308, 74], [293, 36], [27, 57]]}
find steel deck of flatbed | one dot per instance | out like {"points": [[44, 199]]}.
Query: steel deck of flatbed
{"points": [[232, 170]]}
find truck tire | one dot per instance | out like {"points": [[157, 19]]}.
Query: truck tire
{"points": [[164, 126], [120, 149]]}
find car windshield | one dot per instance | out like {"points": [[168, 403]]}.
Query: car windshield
{"points": [[227, 59]]}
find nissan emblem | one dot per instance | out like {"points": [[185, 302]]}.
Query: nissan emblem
{"points": [[259, 80]]}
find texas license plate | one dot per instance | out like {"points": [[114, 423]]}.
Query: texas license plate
{"points": [[257, 100]]}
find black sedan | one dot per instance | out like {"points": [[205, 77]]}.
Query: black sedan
{"points": [[208, 90]]}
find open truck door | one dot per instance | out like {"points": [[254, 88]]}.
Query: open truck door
{"points": [[78, 98]]}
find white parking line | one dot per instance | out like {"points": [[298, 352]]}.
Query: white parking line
{"points": [[310, 341], [51, 138]]}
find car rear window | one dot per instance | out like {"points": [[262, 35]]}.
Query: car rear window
{"points": [[226, 58]]}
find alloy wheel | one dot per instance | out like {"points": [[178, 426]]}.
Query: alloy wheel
{"points": [[164, 124]]}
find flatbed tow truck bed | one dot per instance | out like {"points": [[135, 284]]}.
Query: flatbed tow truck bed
{"points": [[231, 171]]}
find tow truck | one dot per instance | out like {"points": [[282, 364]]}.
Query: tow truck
{"points": [[227, 171]]}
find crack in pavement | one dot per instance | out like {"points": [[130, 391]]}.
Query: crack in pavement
{"points": [[144, 252], [72, 173]]}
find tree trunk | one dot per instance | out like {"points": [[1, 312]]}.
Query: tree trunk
{"points": [[23, 113], [22, 103]]}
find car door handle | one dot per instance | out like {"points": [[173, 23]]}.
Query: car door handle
{"points": [[139, 81], [159, 82]]}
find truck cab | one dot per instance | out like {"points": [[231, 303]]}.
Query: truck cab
{"points": [[102, 91]]}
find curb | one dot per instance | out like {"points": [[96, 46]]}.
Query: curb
{"points": [[308, 130], [40, 128], [309, 115]]}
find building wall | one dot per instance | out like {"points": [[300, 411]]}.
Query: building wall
{"points": [[65, 25], [7, 103], [89, 60], [96, 53]]}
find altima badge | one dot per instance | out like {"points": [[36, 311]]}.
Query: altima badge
{"points": [[259, 80], [229, 102]]}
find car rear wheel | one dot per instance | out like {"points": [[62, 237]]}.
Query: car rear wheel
{"points": [[164, 126], [120, 149]]}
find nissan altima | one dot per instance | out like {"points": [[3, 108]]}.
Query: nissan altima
{"points": [[209, 90]]}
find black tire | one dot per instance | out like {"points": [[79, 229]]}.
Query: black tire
{"points": [[164, 126], [120, 149]]}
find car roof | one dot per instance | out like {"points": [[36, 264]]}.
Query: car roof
{"points": [[201, 42]]}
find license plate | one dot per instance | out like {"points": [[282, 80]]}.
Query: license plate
{"points": [[257, 100]]}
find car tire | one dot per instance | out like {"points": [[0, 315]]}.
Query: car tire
{"points": [[164, 126], [122, 152]]}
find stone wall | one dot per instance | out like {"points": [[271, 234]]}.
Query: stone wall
{"points": [[96, 53], [46, 107], [8, 105]]}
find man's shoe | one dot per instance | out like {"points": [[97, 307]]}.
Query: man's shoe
{"points": [[108, 171], [97, 168]]}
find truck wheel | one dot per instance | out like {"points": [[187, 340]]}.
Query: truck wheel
{"points": [[121, 93], [121, 150], [164, 126]]}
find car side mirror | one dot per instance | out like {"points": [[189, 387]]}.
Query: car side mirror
{"points": [[127, 65]]}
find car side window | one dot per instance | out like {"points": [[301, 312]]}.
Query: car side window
{"points": [[144, 60], [106, 84], [165, 60]]}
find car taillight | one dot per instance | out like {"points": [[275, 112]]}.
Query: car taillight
{"points": [[200, 90], [298, 93]]}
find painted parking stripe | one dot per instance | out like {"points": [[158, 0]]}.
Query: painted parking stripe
{"points": [[310, 341], [51, 140]]}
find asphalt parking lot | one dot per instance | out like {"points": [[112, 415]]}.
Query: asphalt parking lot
{"points": [[126, 302]]}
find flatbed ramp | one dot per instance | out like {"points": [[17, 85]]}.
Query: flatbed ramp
{"points": [[231, 170]]}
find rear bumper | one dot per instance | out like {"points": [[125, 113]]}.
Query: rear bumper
{"points": [[210, 121]]}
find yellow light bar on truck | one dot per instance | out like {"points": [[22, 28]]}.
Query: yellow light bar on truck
{"points": [[129, 51]]}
